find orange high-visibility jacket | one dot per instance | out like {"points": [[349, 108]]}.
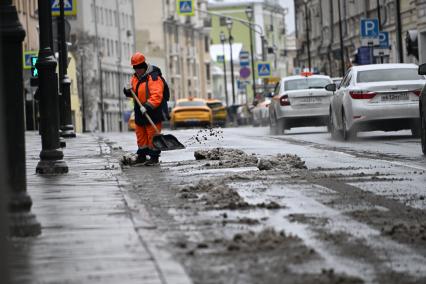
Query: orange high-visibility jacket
{"points": [[150, 96]]}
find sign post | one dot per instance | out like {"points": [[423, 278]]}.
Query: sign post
{"points": [[264, 70], [70, 8], [185, 7], [244, 58], [370, 34], [383, 47], [28, 55]]}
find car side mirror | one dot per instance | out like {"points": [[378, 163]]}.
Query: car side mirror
{"points": [[331, 87], [422, 69]]}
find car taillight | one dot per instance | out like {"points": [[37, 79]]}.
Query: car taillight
{"points": [[417, 92], [284, 101], [362, 95]]}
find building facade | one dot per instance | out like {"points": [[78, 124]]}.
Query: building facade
{"points": [[102, 37], [149, 33], [187, 43], [29, 20], [27, 11], [269, 23], [322, 21]]}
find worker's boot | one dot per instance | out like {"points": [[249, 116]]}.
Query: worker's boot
{"points": [[153, 161], [141, 158]]}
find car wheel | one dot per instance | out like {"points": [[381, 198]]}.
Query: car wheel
{"points": [[348, 134], [423, 133], [335, 133], [415, 129]]}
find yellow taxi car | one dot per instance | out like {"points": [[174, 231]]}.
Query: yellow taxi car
{"points": [[220, 115], [191, 112]]}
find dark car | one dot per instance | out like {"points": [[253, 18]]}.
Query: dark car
{"points": [[422, 106]]}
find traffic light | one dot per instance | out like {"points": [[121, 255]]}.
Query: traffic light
{"points": [[412, 43], [34, 72]]}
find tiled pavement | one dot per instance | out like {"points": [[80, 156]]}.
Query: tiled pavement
{"points": [[88, 232]]}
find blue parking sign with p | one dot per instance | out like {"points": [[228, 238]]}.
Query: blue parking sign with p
{"points": [[384, 40], [369, 28]]}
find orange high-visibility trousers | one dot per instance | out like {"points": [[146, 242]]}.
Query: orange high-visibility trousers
{"points": [[144, 135]]}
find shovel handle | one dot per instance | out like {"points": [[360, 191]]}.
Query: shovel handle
{"points": [[146, 115]]}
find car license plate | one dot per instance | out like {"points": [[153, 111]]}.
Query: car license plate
{"points": [[394, 97], [310, 100]]}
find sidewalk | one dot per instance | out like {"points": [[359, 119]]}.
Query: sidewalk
{"points": [[88, 232]]}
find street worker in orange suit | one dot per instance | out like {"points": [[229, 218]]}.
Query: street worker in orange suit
{"points": [[150, 94]]}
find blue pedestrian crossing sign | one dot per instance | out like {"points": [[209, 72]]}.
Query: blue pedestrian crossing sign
{"points": [[28, 55], [264, 69], [185, 7], [70, 7]]}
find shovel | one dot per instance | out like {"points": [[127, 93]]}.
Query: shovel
{"points": [[161, 142]]}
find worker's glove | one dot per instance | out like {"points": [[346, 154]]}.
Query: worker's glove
{"points": [[127, 92], [142, 109]]}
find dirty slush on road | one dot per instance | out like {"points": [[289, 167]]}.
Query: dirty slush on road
{"points": [[228, 217]]}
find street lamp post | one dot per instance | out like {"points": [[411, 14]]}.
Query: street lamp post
{"points": [[399, 31], [379, 17], [22, 222], [83, 99], [307, 33], [249, 13], [342, 55], [229, 26], [222, 40], [51, 156], [67, 129], [101, 89]]}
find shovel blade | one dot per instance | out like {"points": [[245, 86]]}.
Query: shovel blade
{"points": [[167, 142]]}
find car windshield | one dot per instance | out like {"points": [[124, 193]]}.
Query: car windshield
{"points": [[215, 105], [191, 103], [381, 75], [306, 83]]}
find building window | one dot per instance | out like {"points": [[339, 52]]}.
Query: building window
{"points": [[206, 44]]}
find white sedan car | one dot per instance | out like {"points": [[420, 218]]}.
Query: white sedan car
{"points": [[299, 101], [376, 97]]}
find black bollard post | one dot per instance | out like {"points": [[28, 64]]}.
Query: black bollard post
{"points": [[51, 156], [4, 189], [22, 222], [67, 129]]}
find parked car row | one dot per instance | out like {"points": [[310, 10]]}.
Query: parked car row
{"points": [[193, 112], [387, 97]]}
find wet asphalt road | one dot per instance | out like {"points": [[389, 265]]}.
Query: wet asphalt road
{"points": [[357, 213]]}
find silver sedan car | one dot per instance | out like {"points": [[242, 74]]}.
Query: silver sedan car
{"points": [[299, 101], [376, 97]]}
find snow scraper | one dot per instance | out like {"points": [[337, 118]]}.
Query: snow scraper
{"points": [[161, 142]]}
